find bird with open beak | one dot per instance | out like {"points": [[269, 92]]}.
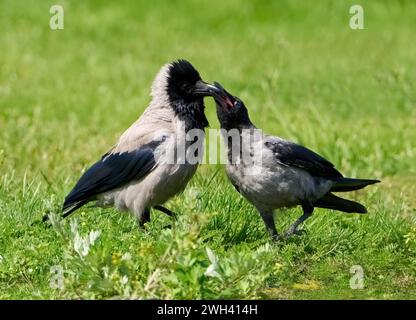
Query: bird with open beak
{"points": [[141, 172], [287, 174]]}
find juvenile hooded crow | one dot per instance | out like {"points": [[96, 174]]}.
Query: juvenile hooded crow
{"points": [[287, 174], [143, 170]]}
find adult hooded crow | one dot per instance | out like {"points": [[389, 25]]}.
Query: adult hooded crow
{"points": [[144, 169], [284, 174]]}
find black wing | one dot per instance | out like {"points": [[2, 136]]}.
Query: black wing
{"points": [[292, 154], [111, 172]]}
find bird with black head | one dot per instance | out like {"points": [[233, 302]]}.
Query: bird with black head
{"points": [[275, 173], [139, 172]]}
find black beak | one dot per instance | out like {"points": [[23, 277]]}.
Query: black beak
{"points": [[222, 97], [204, 89]]}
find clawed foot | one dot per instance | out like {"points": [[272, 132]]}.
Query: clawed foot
{"points": [[288, 234], [276, 238], [294, 232]]}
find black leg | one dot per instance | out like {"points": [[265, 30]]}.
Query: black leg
{"points": [[144, 218], [293, 229], [165, 210], [268, 219]]}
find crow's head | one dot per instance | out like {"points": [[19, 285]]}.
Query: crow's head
{"points": [[184, 82], [180, 85], [231, 111]]}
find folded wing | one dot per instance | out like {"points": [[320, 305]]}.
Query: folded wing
{"points": [[294, 155], [111, 172]]}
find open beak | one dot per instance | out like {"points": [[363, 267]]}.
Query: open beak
{"points": [[222, 97], [204, 89]]}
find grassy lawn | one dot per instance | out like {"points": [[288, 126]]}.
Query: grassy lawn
{"points": [[66, 96]]}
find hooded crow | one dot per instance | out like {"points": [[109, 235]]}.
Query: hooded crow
{"points": [[274, 173], [144, 168]]}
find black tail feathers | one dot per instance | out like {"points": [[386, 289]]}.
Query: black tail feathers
{"points": [[330, 201], [350, 184], [67, 209]]}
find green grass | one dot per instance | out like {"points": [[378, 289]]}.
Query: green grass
{"points": [[65, 97]]}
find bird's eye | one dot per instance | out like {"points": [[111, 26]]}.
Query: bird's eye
{"points": [[184, 87]]}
